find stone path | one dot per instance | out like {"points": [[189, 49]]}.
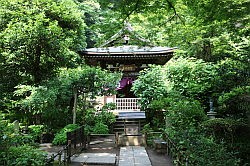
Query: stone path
{"points": [[129, 156], [95, 159], [133, 156], [123, 156]]}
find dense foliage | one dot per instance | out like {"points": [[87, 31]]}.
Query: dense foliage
{"points": [[61, 136], [38, 37], [16, 148], [25, 155], [41, 70], [54, 97], [42, 76], [212, 64], [99, 122]]}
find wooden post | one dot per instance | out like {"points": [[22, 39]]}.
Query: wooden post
{"points": [[116, 139], [167, 147], [178, 159], [65, 155], [60, 158], [139, 127], [124, 126], [186, 161], [68, 147], [81, 137], [84, 138], [75, 139]]}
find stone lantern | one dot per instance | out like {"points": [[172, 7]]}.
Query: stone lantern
{"points": [[211, 114]]}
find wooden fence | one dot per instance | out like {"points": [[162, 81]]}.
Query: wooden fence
{"points": [[61, 158], [76, 142], [180, 158], [102, 138], [178, 155]]}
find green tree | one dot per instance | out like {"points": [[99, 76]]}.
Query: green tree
{"points": [[38, 37], [189, 77], [55, 97], [150, 85], [214, 31], [192, 78]]}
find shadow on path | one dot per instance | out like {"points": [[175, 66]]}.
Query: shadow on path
{"points": [[158, 159]]}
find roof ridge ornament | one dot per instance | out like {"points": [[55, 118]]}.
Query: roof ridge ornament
{"points": [[124, 34], [128, 26]]}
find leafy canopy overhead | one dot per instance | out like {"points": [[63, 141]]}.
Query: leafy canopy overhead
{"points": [[38, 37]]}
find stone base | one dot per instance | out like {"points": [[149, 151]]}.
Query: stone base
{"points": [[211, 114], [160, 146], [131, 140]]}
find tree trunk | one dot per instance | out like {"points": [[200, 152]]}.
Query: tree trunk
{"points": [[74, 107], [36, 69]]}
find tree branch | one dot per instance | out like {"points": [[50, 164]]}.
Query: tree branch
{"points": [[171, 6], [131, 11]]}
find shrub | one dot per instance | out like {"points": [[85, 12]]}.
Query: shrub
{"points": [[185, 113], [102, 120], [235, 103], [223, 129], [106, 117], [25, 155], [205, 151], [185, 118], [36, 130], [109, 106], [100, 128], [61, 136], [17, 140], [201, 149], [150, 134]]}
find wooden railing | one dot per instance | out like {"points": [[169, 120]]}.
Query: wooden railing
{"points": [[76, 142], [104, 138], [180, 158], [61, 158], [178, 155], [127, 104]]}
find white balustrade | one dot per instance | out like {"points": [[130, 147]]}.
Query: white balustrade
{"points": [[127, 104]]}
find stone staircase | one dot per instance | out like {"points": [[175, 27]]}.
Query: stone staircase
{"points": [[129, 125], [131, 140]]}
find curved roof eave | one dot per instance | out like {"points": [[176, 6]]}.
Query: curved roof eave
{"points": [[128, 50]]}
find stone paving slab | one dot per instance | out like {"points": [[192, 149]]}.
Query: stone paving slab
{"points": [[133, 156], [144, 160], [95, 158]]}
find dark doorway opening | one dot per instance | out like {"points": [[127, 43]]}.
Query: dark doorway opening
{"points": [[124, 90]]}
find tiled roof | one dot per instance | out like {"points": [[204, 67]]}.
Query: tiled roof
{"points": [[128, 50]]}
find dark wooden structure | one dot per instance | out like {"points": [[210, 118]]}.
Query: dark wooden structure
{"points": [[127, 52], [127, 58], [76, 142]]}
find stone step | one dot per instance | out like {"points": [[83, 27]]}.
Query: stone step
{"points": [[130, 125], [131, 115], [131, 140], [133, 156], [95, 159], [127, 120]]}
